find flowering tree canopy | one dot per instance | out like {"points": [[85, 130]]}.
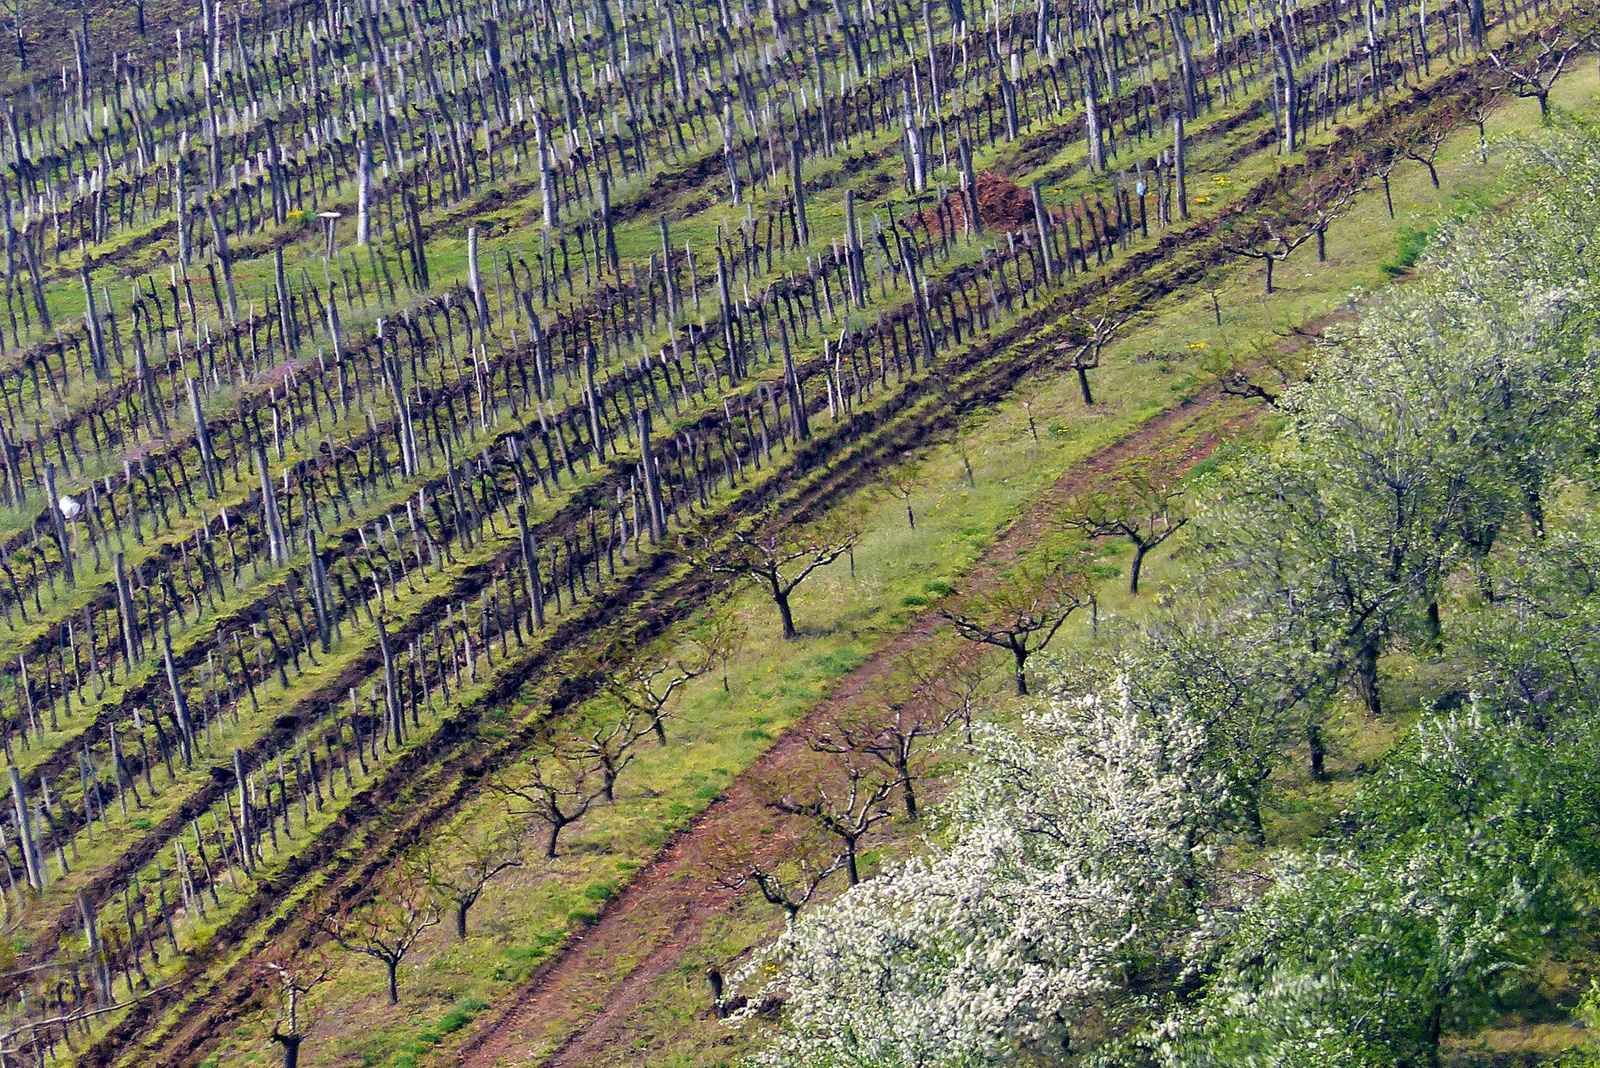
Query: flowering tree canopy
{"points": [[1075, 857]]}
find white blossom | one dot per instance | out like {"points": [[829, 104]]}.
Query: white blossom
{"points": [[1076, 856]]}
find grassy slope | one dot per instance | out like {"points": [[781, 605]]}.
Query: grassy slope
{"points": [[845, 618]]}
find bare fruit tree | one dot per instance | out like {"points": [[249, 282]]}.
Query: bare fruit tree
{"points": [[555, 787], [611, 742], [1535, 77], [387, 927], [645, 687], [789, 876], [779, 561], [1088, 333], [845, 805], [953, 685], [1271, 237], [292, 976], [1262, 371], [462, 864], [897, 735], [900, 481], [1425, 149], [1479, 110], [1325, 212], [1022, 612], [720, 634], [1138, 505]]}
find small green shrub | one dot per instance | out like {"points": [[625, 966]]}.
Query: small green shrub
{"points": [[1409, 244]]}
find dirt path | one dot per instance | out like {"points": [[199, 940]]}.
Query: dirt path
{"points": [[586, 998]]}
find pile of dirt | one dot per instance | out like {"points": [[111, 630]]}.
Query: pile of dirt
{"points": [[1003, 205]]}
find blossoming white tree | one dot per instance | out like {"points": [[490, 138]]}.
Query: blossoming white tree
{"points": [[1076, 856]]}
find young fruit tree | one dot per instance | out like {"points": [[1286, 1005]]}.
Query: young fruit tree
{"points": [[1088, 333], [556, 786], [1271, 236], [1139, 505], [788, 869], [645, 687], [460, 865], [897, 736], [844, 801], [1022, 611], [1533, 77], [386, 928], [779, 561], [292, 976]]}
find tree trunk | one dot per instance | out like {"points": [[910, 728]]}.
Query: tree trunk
{"points": [[202, 439], [801, 223], [1083, 384], [132, 642], [291, 1049], [59, 522], [394, 986], [969, 186], [32, 861], [1139, 551], [1291, 87], [1180, 169], [1252, 814], [1436, 1026], [364, 192], [1367, 677], [461, 920], [652, 481], [608, 222], [1021, 656], [277, 545], [1319, 752], [714, 979], [782, 601], [1041, 221], [1091, 129]]}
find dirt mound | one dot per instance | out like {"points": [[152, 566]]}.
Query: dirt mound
{"points": [[1003, 205]]}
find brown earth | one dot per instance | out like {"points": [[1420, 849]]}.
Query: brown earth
{"points": [[1003, 206]]}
